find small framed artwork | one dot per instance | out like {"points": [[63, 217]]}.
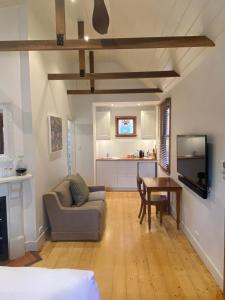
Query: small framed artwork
{"points": [[126, 126], [55, 133]]}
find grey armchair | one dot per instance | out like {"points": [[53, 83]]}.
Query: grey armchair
{"points": [[68, 222]]}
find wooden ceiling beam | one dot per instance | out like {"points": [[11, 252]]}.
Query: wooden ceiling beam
{"points": [[92, 69], [114, 75], [106, 44], [115, 91], [81, 52], [60, 22]]}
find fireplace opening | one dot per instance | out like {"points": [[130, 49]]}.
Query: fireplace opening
{"points": [[4, 252]]}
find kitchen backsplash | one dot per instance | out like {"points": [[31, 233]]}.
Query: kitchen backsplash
{"points": [[123, 147]]}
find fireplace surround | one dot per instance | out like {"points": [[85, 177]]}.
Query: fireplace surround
{"points": [[4, 252]]}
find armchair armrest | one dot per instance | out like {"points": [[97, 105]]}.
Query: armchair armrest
{"points": [[96, 188]]}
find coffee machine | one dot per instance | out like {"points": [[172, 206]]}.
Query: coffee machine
{"points": [[141, 154]]}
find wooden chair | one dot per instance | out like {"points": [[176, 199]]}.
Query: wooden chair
{"points": [[160, 201]]}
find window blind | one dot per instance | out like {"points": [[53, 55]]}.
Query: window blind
{"points": [[165, 129]]}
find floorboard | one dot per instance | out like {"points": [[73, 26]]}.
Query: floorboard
{"points": [[131, 263]]}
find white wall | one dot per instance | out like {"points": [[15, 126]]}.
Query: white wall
{"points": [[15, 96], [46, 98], [124, 146], [198, 107], [29, 97], [82, 108], [10, 28]]}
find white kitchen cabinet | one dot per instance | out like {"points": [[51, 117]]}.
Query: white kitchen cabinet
{"points": [[147, 169], [121, 174], [126, 174], [148, 124], [103, 125], [106, 173]]}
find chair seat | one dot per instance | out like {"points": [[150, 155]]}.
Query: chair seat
{"points": [[158, 198]]}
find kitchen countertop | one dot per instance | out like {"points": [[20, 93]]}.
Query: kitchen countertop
{"points": [[126, 159]]}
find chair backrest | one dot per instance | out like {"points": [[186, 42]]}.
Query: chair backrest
{"points": [[141, 190]]}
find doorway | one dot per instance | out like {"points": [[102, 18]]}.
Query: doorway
{"points": [[70, 147]]}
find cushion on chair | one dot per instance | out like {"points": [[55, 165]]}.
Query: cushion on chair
{"points": [[94, 196], [79, 190], [63, 192], [155, 197]]}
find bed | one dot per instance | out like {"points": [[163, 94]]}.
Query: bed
{"points": [[47, 284]]}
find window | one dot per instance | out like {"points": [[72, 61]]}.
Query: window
{"points": [[165, 133], [126, 126]]}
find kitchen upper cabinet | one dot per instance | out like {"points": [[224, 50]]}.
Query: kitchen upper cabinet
{"points": [[103, 128], [148, 124]]}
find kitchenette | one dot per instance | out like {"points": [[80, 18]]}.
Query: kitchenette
{"points": [[124, 145]]}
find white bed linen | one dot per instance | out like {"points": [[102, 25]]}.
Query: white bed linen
{"points": [[47, 284]]}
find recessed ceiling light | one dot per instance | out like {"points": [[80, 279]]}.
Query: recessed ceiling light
{"points": [[112, 104], [73, 1], [139, 104], [86, 38]]}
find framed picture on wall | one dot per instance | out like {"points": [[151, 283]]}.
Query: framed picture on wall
{"points": [[126, 126], [55, 133]]}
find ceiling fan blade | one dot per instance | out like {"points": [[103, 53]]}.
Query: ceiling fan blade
{"points": [[100, 19]]}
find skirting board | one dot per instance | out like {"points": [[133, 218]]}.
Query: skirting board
{"points": [[38, 243], [203, 255], [201, 252]]}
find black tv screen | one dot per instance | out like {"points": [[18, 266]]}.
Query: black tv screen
{"points": [[192, 159]]}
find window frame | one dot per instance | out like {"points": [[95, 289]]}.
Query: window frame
{"points": [[133, 118], [163, 137]]}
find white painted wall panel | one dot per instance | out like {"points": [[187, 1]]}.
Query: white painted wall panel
{"points": [[198, 107]]}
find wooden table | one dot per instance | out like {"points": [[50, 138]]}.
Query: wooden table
{"points": [[164, 184]]}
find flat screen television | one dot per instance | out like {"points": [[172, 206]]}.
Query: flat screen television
{"points": [[192, 162]]}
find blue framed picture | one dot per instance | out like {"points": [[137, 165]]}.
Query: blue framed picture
{"points": [[126, 126]]}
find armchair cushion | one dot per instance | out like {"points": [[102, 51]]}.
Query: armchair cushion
{"points": [[94, 196], [63, 193], [96, 188], [79, 190]]}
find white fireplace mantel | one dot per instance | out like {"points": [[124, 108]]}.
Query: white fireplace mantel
{"points": [[12, 188], [15, 178]]}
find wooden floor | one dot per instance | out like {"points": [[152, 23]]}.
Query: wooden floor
{"points": [[131, 263]]}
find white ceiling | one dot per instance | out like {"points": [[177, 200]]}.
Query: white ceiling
{"points": [[135, 18]]}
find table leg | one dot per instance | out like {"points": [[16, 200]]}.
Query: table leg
{"points": [[178, 208], [169, 207], [149, 210]]}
